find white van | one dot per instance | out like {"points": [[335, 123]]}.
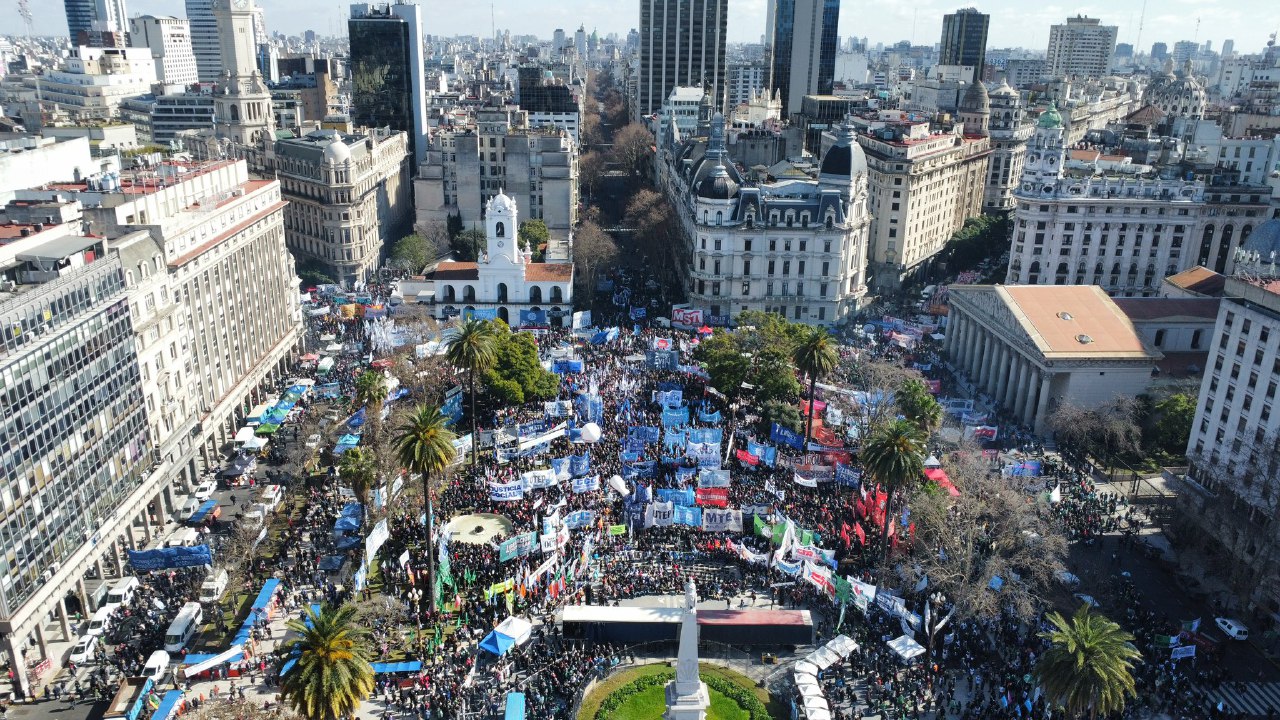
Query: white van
{"points": [[156, 667], [182, 537], [122, 592], [272, 496], [183, 627], [188, 508], [100, 623], [213, 587]]}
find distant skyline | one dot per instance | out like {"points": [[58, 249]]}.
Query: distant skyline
{"points": [[1014, 23]]}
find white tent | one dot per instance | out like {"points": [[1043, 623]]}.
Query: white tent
{"points": [[817, 714], [516, 628], [932, 462], [254, 443], [808, 687], [804, 666], [803, 678], [244, 435], [906, 647], [843, 644], [824, 657], [815, 703]]}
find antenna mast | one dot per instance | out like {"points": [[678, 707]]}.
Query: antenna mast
{"points": [[24, 9], [1142, 19]]}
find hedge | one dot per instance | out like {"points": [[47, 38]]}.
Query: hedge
{"points": [[744, 697]]}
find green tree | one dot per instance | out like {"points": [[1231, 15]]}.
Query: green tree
{"points": [[371, 392], [467, 245], [471, 347], [918, 405], [758, 354], [359, 472], [1088, 668], [453, 225], [784, 413], [593, 250], [632, 148], [533, 234], [424, 445], [815, 357], [894, 457], [517, 375], [412, 253], [1171, 427], [333, 674]]}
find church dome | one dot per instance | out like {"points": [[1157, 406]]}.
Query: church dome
{"points": [[717, 185], [501, 203], [1050, 118], [1179, 96], [1003, 90], [337, 152], [976, 99], [844, 159], [1264, 240]]}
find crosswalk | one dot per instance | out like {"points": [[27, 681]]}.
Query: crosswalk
{"points": [[1252, 698]]}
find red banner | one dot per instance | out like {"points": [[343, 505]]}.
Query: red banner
{"points": [[713, 497], [862, 535], [747, 457]]}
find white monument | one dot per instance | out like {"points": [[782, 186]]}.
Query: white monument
{"points": [[687, 697]]}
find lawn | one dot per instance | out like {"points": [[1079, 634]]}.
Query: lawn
{"points": [[651, 704]]}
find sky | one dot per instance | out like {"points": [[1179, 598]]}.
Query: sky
{"points": [[1014, 23]]}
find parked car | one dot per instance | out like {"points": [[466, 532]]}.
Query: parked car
{"points": [[1234, 629], [205, 490], [86, 647], [313, 441]]}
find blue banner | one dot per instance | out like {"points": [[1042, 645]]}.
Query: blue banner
{"points": [[644, 468], [768, 454], [173, 557], [706, 435], [679, 497], [476, 314], [506, 492], [604, 336], [662, 359], [452, 407], [645, 433], [685, 474], [847, 476], [560, 466], [674, 439], [690, 516], [579, 519], [674, 417], [586, 484], [705, 417], [639, 313], [786, 436], [579, 465], [533, 318], [668, 398], [566, 367]]}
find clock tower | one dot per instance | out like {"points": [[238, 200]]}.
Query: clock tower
{"points": [[242, 107]]}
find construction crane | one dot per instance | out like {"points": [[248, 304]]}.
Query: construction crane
{"points": [[24, 9]]}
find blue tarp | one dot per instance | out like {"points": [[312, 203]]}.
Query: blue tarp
{"points": [[203, 511], [348, 542], [351, 519], [349, 439], [331, 563], [397, 667], [357, 419], [167, 558], [515, 706], [497, 643], [258, 610], [169, 705], [288, 665]]}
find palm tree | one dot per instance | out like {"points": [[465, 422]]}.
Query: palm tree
{"points": [[371, 392], [918, 405], [472, 346], [815, 356], [894, 457], [424, 444], [333, 674], [358, 470], [1087, 670]]}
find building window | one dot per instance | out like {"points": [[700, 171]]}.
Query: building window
{"points": [[746, 267]]}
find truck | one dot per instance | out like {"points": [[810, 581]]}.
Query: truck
{"points": [[130, 699]]}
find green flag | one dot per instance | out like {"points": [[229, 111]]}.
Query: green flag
{"points": [[844, 591], [779, 532], [806, 537], [617, 529], [761, 528]]}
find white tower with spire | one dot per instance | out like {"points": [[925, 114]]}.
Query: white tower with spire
{"points": [[687, 696]]}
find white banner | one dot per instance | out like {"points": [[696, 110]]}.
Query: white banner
{"points": [[710, 478], [506, 492], [727, 520], [660, 514], [538, 479], [804, 481], [377, 537]]}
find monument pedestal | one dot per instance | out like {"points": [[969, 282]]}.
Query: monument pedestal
{"points": [[687, 706]]}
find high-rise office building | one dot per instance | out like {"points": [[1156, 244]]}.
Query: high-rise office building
{"points": [[964, 40], [804, 49], [1080, 48], [89, 16], [204, 40], [388, 77], [681, 44], [169, 39], [1228, 48], [1159, 51]]}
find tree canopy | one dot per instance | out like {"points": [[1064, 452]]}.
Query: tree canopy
{"points": [[533, 234], [412, 253], [516, 376], [1087, 669], [593, 250], [632, 148], [467, 245], [1170, 425], [333, 674], [758, 353]]}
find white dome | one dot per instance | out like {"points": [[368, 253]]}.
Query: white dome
{"points": [[502, 204], [337, 152]]}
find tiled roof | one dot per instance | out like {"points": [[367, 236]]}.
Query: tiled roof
{"points": [[548, 272], [1073, 320], [1199, 279], [456, 271]]}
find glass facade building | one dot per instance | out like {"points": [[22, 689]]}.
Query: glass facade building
{"points": [[80, 17], [805, 35], [964, 40], [387, 70], [71, 413], [682, 44]]}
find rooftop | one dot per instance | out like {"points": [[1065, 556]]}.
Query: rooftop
{"points": [[1172, 309], [1071, 320], [1200, 280]]}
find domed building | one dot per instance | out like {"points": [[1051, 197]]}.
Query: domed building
{"points": [[1009, 131], [786, 239], [1178, 95], [349, 196]]}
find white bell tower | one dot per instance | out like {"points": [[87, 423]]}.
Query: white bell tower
{"points": [[501, 231], [242, 108]]}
